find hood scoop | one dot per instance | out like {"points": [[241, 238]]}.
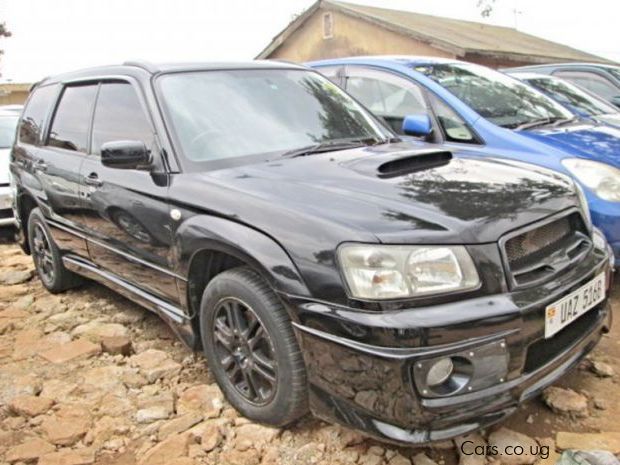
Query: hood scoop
{"points": [[413, 163]]}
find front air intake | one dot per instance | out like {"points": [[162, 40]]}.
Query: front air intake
{"points": [[413, 163]]}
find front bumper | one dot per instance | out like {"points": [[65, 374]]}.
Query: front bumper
{"points": [[360, 364], [6, 212], [606, 217]]}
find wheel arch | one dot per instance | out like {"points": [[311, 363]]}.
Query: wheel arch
{"points": [[206, 246], [25, 202]]}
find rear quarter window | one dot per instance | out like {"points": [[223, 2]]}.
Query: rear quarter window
{"points": [[35, 113]]}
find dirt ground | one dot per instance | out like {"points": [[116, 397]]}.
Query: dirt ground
{"points": [[89, 377]]}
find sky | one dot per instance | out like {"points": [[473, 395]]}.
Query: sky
{"points": [[52, 36]]}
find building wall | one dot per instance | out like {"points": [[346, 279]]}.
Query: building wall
{"points": [[351, 37], [11, 94]]}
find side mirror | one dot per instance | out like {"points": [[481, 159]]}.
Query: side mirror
{"points": [[125, 154], [616, 100], [417, 125]]}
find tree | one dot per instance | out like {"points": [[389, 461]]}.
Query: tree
{"points": [[486, 7], [4, 32]]}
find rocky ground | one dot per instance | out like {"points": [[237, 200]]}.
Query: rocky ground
{"points": [[88, 377]]}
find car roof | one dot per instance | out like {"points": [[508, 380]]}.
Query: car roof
{"points": [[397, 59], [530, 75], [130, 67]]}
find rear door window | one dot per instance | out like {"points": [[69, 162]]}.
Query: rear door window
{"points": [[35, 113], [71, 120], [119, 116]]}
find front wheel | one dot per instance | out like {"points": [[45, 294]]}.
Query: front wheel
{"points": [[251, 348]]}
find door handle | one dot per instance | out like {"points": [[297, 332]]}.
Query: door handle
{"points": [[93, 180], [40, 165]]}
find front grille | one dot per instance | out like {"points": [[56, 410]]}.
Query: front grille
{"points": [[543, 351], [6, 213], [541, 252]]}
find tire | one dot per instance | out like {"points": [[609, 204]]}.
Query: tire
{"points": [[48, 263], [243, 289]]}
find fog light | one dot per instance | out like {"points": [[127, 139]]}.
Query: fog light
{"points": [[439, 372]]}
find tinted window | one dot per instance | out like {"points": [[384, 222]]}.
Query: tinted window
{"points": [[7, 130], [119, 116], [221, 115], [590, 81], [571, 96], [34, 114], [72, 118]]}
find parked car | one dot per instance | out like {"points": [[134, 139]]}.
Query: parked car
{"points": [[463, 105], [9, 115], [319, 262], [602, 80], [578, 101]]}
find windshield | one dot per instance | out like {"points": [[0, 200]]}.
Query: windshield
{"points": [[8, 124], [227, 116], [572, 96], [495, 96]]}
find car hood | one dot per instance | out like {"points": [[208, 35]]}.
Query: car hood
{"points": [[389, 192], [595, 142], [4, 166]]}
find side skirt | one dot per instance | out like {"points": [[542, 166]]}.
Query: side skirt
{"points": [[178, 321]]}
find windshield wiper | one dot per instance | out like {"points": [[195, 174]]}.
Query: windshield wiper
{"points": [[331, 146], [538, 123]]}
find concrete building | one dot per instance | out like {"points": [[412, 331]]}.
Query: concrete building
{"points": [[330, 29], [13, 92]]}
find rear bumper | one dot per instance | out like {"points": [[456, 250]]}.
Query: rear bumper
{"points": [[361, 364]]}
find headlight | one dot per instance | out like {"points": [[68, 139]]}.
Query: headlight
{"points": [[392, 272], [602, 179]]}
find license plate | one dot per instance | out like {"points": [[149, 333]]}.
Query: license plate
{"points": [[566, 310]]}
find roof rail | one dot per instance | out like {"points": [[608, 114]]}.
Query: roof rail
{"points": [[146, 65]]}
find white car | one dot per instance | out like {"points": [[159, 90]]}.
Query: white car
{"points": [[9, 115]]}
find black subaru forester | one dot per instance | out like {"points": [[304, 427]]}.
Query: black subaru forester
{"points": [[320, 263]]}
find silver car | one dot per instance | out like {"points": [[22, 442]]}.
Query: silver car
{"points": [[9, 115]]}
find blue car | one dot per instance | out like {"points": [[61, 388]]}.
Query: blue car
{"points": [[466, 105], [579, 101], [602, 80]]}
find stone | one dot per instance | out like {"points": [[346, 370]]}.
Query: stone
{"points": [[129, 316], [182, 461], [171, 448], [179, 425], [68, 457], [211, 437], [134, 380], [74, 350], [13, 314], [309, 453], [602, 370], [466, 445], [116, 345], [155, 364], [566, 401], [399, 460], [57, 390], [153, 408], [30, 406], [505, 437], [367, 459], [423, 459], [609, 441], [96, 331], [12, 277], [254, 436], [552, 456], [24, 302], [29, 450], [105, 429], [205, 398], [67, 426], [237, 457], [25, 385]]}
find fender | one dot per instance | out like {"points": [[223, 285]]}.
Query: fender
{"points": [[258, 250]]}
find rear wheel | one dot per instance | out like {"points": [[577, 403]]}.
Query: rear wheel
{"points": [[251, 349], [46, 256]]}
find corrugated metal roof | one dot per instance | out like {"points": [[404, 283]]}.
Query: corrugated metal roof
{"points": [[453, 35]]}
